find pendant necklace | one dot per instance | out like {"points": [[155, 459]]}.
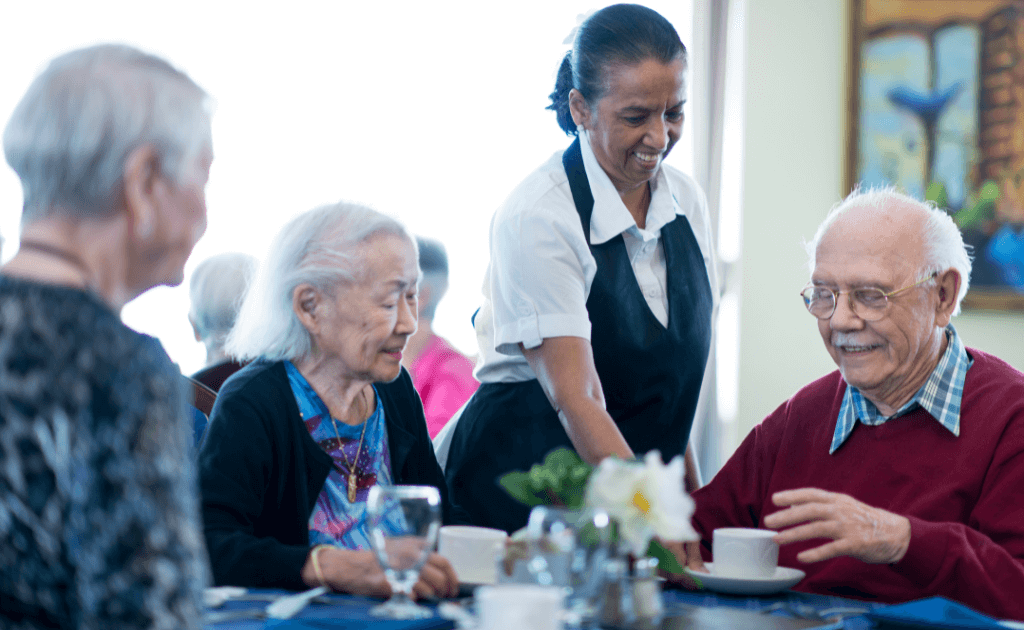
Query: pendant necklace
{"points": [[351, 465], [61, 254]]}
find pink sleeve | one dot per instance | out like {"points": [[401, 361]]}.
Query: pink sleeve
{"points": [[448, 387]]}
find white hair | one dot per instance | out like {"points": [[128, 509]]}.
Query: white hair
{"points": [[320, 248], [943, 244], [80, 119], [216, 290]]}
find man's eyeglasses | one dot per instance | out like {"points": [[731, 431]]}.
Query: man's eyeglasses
{"points": [[868, 303]]}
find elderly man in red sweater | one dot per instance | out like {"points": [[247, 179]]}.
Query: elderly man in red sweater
{"points": [[901, 475]]}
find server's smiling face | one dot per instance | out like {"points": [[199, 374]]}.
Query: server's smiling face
{"points": [[636, 121]]}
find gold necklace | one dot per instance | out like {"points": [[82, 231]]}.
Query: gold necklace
{"points": [[350, 465]]}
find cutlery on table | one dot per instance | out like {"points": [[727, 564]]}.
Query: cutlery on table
{"points": [[281, 608]]}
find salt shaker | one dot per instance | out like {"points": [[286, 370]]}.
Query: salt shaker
{"points": [[617, 604], [648, 605]]}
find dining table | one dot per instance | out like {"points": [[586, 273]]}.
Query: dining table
{"points": [[696, 610]]}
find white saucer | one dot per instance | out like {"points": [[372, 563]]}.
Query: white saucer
{"points": [[784, 578]]}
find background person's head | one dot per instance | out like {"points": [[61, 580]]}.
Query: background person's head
{"points": [[434, 283], [887, 240], [624, 83], [215, 290], [109, 133], [338, 286]]}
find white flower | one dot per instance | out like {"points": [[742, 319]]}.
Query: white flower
{"points": [[647, 499]]}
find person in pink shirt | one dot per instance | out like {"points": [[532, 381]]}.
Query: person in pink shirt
{"points": [[441, 374]]}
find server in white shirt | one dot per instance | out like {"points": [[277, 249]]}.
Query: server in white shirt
{"points": [[596, 324]]}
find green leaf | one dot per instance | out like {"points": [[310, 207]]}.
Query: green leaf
{"points": [[560, 480], [666, 559], [562, 457], [517, 485], [936, 192], [989, 191]]}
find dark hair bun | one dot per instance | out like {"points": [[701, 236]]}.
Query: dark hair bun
{"points": [[560, 97]]}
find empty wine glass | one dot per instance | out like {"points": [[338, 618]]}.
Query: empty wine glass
{"points": [[404, 521]]}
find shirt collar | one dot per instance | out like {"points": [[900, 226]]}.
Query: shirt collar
{"points": [[610, 216], [940, 396]]}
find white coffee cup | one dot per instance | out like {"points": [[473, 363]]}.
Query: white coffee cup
{"points": [[520, 606], [744, 552], [473, 551]]}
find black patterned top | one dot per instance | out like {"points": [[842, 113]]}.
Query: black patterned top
{"points": [[99, 520]]}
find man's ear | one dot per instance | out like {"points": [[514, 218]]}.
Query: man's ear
{"points": [[141, 177], [579, 109], [307, 303], [948, 287]]}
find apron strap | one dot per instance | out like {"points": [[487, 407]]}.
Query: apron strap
{"points": [[572, 161]]}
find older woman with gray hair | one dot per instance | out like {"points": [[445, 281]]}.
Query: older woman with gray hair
{"points": [[215, 291], [325, 411], [99, 523]]}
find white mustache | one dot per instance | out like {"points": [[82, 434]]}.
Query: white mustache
{"points": [[848, 339]]}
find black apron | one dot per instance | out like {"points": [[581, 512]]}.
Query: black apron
{"points": [[651, 375]]}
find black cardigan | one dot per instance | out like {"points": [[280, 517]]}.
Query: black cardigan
{"points": [[261, 473]]}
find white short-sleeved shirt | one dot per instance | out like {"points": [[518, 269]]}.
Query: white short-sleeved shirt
{"points": [[541, 268]]}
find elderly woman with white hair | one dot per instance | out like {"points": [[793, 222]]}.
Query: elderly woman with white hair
{"points": [[325, 411], [99, 522], [215, 291]]}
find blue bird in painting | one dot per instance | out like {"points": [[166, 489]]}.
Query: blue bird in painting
{"points": [[926, 106]]}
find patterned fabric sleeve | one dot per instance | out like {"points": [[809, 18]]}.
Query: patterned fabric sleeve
{"points": [[147, 513], [99, 520]]}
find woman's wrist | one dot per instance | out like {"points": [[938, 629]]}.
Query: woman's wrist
{"points": [[317, 571], [312, 573], [345, 570]]}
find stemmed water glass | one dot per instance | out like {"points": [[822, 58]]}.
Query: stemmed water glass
{"points": [[404, 522]]}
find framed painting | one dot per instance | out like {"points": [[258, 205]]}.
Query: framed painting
{"points": [[937, 110]]}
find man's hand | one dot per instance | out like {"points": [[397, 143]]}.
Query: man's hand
{"points": [[857, 530], [688, 555]]}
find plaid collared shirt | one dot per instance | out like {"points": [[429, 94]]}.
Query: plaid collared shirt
{"points": [[940, 396]]}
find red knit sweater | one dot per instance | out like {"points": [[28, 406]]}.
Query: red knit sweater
{"points": [[964, 495]]}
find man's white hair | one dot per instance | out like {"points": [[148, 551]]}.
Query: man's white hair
{"points": [[80, 119], [321, 248], [943, 244], [216, 290]]}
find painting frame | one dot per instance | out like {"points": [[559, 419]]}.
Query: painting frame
{"points": [[877, 24]]}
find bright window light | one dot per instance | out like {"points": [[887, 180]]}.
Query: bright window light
{"points": [[431, 112], [728, 358]]}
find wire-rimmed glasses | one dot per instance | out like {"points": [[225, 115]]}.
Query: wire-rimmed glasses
{"points": [[867, 303], [404, 523]]}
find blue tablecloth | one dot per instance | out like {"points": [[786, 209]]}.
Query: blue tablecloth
{"points": [[346, 612], [708, 599]]}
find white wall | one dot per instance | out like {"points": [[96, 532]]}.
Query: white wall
{"points": [[795, 139]]}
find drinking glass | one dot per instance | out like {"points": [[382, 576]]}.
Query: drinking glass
{"points": [[404, 521], [570, 548]]}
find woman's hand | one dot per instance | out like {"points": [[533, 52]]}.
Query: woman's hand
{"points": [[346, 571], [437, 579], [359, 573]]}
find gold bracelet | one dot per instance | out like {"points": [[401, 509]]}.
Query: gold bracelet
{"points": [[316, 563]]}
